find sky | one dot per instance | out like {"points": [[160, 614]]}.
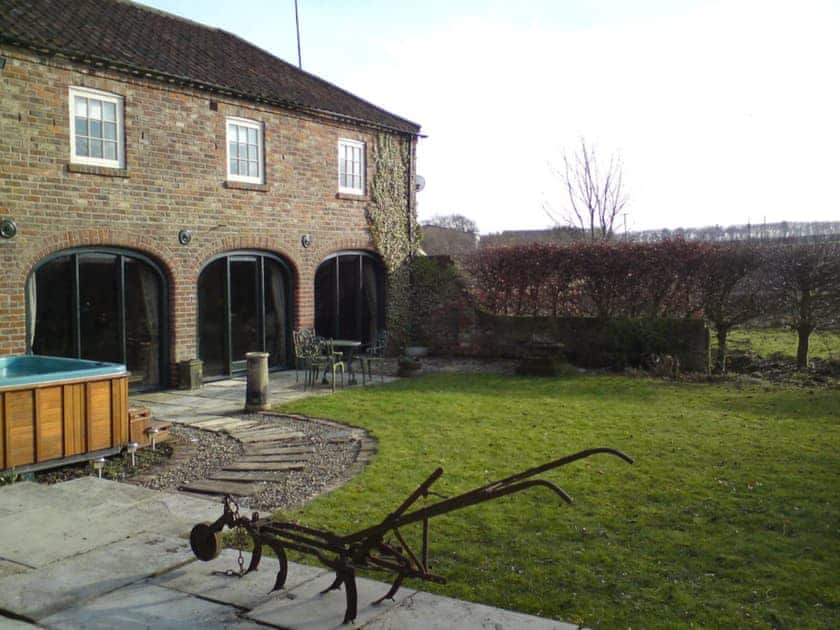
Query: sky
{"points": [[722, 111]]}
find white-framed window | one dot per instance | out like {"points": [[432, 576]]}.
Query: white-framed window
{"points": [[351, 167], [244, 151], [96, 128]]}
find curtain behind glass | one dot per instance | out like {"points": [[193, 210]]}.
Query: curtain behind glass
{"points": [[32, 306], [276, 314]]}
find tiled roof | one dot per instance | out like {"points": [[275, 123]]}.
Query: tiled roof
{"points": [[138, 39]]}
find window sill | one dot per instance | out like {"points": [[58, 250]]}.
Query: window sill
{"points": [[245, 186], [106, 171], [352, 197]]}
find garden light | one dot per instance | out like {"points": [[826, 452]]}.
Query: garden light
{"points": [[152, 433], [132, 449], [98, 465]]}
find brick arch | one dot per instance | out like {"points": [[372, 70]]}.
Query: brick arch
{"points": [[102, 237], [269, 245], [233, 243], [334, 247]]}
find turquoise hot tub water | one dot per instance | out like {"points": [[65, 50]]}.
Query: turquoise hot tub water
{"points": [[31, 369]]}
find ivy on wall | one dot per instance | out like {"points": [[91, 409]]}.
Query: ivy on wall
{"points": [[395, 235]]}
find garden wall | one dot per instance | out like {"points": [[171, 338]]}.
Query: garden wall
{"points": [[455, 326]]}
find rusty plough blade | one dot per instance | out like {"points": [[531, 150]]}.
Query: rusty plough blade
{"points": [[367, 549]]}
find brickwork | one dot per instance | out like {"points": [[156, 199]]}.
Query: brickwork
{"points": [[173, 179], [455, 326]]}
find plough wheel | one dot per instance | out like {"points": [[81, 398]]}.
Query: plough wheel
{"points": [[205, 543]]}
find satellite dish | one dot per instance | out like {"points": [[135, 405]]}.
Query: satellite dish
{"points": [[420, 183]]}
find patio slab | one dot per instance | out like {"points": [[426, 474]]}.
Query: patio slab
{"points": [[305, 608], [102, 554], [425, 611], [198, 578], [144, 606], [37, 594]]}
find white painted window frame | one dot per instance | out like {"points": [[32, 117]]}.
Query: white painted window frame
{"points": [[108, 97], [249, 124], [342, 142]]}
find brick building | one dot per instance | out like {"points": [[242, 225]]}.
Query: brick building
{"points": [[169, 191]]}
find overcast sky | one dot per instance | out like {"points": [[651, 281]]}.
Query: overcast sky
{"points": [[722, 111]]}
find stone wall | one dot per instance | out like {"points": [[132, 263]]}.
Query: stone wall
{"points": [[455, 326], [174, 179]]}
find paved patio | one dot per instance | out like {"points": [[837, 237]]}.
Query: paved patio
{"points": [[215, 405], [100, 554]]}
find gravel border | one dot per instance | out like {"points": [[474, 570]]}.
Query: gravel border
{"points": [[340, 452]]}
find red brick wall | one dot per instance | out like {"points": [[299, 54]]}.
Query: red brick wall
{"points": [[175, 159]]}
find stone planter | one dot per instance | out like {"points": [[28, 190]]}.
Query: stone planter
{"points": [[408, 366], [541, 358]]}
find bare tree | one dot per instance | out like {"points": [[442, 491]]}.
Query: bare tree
{"points": [[595, 197], [729, 288], [805, 280]]}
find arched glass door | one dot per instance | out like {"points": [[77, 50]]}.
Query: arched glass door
{"points": [[350, 297], [244, 306], [102, 304]]}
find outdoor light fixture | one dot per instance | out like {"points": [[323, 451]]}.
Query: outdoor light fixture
{"points": [[152, 433], [306, 240], [98, 465], [8, 228], [132, 449], [184, 237]]}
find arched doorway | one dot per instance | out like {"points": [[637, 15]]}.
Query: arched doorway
{"points": [[105, 304], [350, 297], [244, 305]]}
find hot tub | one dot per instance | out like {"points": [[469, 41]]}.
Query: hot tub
{"points": [[55, 410]]}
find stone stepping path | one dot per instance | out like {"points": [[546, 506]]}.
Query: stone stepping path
{"points": [[272, 435], [264, 466], [212, 486], [270, 453], [249, 475], [250, 457], [279, 450]]}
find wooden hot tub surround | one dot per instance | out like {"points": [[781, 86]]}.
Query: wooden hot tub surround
{"points": [[58, 421]]}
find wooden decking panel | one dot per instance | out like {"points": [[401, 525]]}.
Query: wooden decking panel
{"points": [[98, 415], [74, 419], [19, 415], [49, 403]]}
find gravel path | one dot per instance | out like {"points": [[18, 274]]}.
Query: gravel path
{"points": [[198, 454]]}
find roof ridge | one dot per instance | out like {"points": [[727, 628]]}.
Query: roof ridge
{"points": [[311, 75], [132, 37], [174, 16]]}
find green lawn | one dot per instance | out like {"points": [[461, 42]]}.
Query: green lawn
{"points": [[767, 341], [729, 517]]}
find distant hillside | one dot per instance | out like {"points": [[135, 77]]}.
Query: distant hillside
{"points": [[765, 231], [788, 230]]}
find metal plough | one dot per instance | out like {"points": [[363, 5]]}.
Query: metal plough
{"points": [[367, 549]]}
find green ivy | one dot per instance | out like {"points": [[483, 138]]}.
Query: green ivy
{"points": [[394, 234]]}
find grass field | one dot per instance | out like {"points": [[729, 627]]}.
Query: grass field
{"points": [[729, 517], [767, 341]]}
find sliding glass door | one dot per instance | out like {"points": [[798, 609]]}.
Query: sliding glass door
{"points": [[102, 304], [350, 297], [243, 306]]}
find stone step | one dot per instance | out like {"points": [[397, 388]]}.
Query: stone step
{"points": [[269, 436], [264, 466], [211, 486], [259, 449], [251, 457], [249, 475]]}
